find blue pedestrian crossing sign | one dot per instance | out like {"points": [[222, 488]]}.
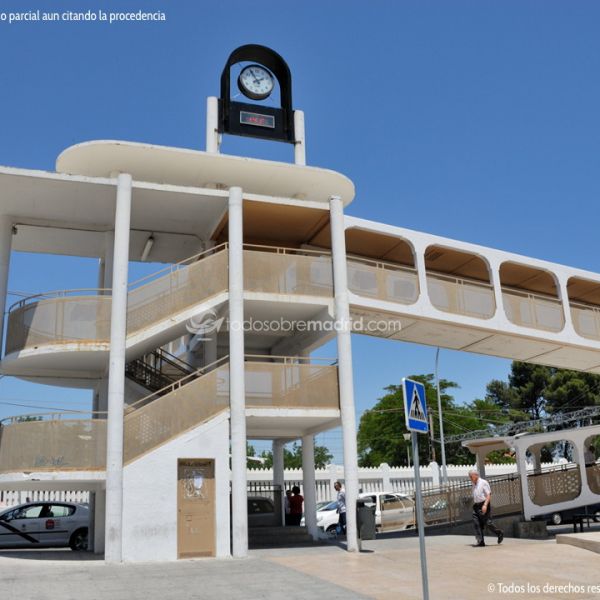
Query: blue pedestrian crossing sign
{"points": [[415, 407]]}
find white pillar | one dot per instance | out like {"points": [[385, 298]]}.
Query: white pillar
{"points": [[109, 251], [116, 374], [212, 124], [300, 141], [481, 463], [6, 229], [279, 473], [346, 385], [98, 516], [237, 391], [309, 485]]}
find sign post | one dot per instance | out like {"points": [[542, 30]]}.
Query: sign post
{"points": [[415, 413]]}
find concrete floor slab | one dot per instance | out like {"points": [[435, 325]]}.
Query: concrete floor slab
{"points": [[587, 541]]}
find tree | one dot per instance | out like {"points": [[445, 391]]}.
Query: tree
{"points": [[570, 390], [533, 391], [529, 383], [382, 428], [292, 459]]}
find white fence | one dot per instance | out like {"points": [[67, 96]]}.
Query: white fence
{"points": [[10, 498], [377, 479]]}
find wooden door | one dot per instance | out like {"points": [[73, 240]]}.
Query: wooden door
{"points": [[196, 523]]}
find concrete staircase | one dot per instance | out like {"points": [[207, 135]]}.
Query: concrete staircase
{"points": [[279, 537]]}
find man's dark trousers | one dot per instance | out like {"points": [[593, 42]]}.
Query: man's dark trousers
{"points": [[481, 521]]}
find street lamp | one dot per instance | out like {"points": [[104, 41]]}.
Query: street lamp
{"points": [[439, 400]]}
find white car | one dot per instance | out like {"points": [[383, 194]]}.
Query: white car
{"points": [[45, 524], [393, 511]]}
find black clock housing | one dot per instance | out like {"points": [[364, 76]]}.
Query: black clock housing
{"points": [[256, 120]]}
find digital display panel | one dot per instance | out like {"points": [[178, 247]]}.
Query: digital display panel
{"points": [[250, 118]]}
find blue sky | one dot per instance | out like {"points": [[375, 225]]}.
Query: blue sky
{"points": [[472, 120]]}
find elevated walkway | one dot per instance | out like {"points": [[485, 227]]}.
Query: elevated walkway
{"points": [[403, 285]]}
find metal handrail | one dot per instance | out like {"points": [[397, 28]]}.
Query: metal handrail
{"points": [[57, 294], [286, 250], [381, 264], [459, 280], [528, 294], [176, 384], [584, 306], [206, 369], [292, 359], [147, 279], [176, 266], [56, 416]]}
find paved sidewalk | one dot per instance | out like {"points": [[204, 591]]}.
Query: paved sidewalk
{"points": [[389, 569], [386, 569], [25, 576]]}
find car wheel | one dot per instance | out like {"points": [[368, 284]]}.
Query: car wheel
{"points": [[556, 519], [331, 531], [79, 540]]}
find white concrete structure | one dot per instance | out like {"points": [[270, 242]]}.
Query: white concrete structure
{"points": [[243, 241], [572, 483]]}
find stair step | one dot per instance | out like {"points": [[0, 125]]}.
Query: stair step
{"points": [[277, 537]]}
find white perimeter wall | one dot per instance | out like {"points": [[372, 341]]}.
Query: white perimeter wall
{"points": [[150, 493]]}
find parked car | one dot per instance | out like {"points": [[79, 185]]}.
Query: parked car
{"points": [[45, 525], [398, 512], [261, 512], [566, 516]]}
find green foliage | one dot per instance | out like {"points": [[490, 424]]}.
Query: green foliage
{"points": [[382, 428], [533, 391], [292, 459]]}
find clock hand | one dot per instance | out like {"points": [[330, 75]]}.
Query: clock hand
{"points": [[254, 75]]}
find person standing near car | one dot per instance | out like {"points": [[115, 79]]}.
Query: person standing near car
{"points": [[341, 506], [482, 510], [296, 502]]}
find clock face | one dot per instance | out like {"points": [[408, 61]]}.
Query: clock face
{"points": [[255, 82]]}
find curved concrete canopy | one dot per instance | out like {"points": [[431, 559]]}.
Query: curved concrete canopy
{"points": [[181, 166]]}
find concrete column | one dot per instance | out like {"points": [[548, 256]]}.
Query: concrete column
{"points": [[116, 374], [99, 516], [346, 385], [6, 229], [212, 124], [279, 473], [237, 390], [109, 251], [309, 485], [300, 142], [481, 463], [436, 474]]}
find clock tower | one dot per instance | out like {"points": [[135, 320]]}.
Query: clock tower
{"points": [[262, 72]]}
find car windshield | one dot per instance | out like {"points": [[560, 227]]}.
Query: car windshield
{"points": [[329, 506]]}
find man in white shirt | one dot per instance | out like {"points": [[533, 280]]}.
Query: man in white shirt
{"points": [[482, 510], [341, 505]]}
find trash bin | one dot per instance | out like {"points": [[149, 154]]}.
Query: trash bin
{"points": [[365, 520]]}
